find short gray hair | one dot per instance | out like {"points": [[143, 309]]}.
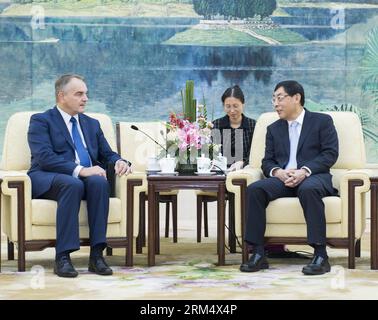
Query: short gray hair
{"points": [[63, 80]]}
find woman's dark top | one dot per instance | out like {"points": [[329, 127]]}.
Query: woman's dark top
{"points": [[228, 136]]}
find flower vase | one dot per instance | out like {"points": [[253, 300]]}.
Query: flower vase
{"points": [[188, 167]]}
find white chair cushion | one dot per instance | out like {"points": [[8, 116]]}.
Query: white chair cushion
{"points": [[289, 211], [44, 212]]}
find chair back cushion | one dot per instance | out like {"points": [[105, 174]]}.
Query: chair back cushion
{"points": [[16, 152], [136, 147], [349, 131]]}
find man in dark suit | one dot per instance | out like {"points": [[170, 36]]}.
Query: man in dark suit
{"points": [[69, 151], [300, 149]]}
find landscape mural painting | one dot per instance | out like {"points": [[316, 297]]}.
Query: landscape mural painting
{"points": [[136, 55]]}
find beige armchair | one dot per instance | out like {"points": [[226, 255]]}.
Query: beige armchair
{"points": [[137, 147], [30, 223], [345, 215]]}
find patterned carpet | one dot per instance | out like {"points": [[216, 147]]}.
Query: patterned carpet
{"points": [[186, 270]]}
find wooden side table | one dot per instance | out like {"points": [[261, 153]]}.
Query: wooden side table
{"points": [[374, 223], [158, 183]]}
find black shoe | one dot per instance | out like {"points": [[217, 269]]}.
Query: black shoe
{"points": [[317, 266], [256, 262], [64, 268], [98, 265]]}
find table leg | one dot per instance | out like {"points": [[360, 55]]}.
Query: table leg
{"points": [[374, 224], [0, 224], [221, 223], [157, 224], [151, 224]]}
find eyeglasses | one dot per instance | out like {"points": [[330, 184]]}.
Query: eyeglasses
{"points": [[278, 98]]}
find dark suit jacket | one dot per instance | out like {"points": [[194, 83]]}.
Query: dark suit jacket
{"points": [[52, 149], [318, 146]]}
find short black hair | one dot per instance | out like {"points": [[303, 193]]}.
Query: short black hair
{"points": [[63, 80], [234, 92], [292, 87]]}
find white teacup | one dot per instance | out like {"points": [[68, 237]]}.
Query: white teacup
{"points": [[167, 165], [153, 164], [204, 165], [220, 162]]}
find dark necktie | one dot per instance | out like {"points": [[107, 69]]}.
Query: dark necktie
{"points": [[82, 152]]}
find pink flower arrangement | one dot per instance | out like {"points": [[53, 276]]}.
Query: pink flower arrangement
{"points": [[185, 135]]}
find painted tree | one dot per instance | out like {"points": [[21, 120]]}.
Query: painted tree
{"points": [[236, 9], [369, 67], [265, 7], [200, 7]]}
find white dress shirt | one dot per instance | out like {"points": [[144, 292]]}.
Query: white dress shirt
{"points": [[299, 120]]}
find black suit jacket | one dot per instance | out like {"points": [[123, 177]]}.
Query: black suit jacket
{"points": [[318, 146]]}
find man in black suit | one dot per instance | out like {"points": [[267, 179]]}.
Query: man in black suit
{"points": [[300, 149], [69, 152]]}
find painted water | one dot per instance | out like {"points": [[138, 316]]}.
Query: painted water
{"points": [[132, 75]]}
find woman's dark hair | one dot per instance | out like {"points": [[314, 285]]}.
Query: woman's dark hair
{"points": [[292, 87], [233, 92]]}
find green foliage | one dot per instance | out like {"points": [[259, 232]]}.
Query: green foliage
{"points": [[227, 37], [367, 120], [190, 104], [369, 66], [368, 126], [284, 36], [265, 8], [234, 9], [204, 110]]}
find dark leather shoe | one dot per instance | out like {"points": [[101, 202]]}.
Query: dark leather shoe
{"points": [[317, 266], [64, 268], [256, 262], [99, 266]]}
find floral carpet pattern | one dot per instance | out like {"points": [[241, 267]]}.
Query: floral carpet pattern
{"points": [[187, 270]]}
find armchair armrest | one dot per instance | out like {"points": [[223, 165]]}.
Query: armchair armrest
{"points": [[16, 202], [137, 181], [357, 182], [248, 174], [372, 170]]}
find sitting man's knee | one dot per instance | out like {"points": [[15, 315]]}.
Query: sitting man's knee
{"points": [[255, 186], [304, 190], [73, 185], [97, 180]]}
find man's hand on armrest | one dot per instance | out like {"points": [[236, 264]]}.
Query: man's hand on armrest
{"points": [[122, 167]]}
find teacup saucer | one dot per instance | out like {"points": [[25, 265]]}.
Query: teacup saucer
{"points": [[210, 173], [167, 173], [148, 171]]}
